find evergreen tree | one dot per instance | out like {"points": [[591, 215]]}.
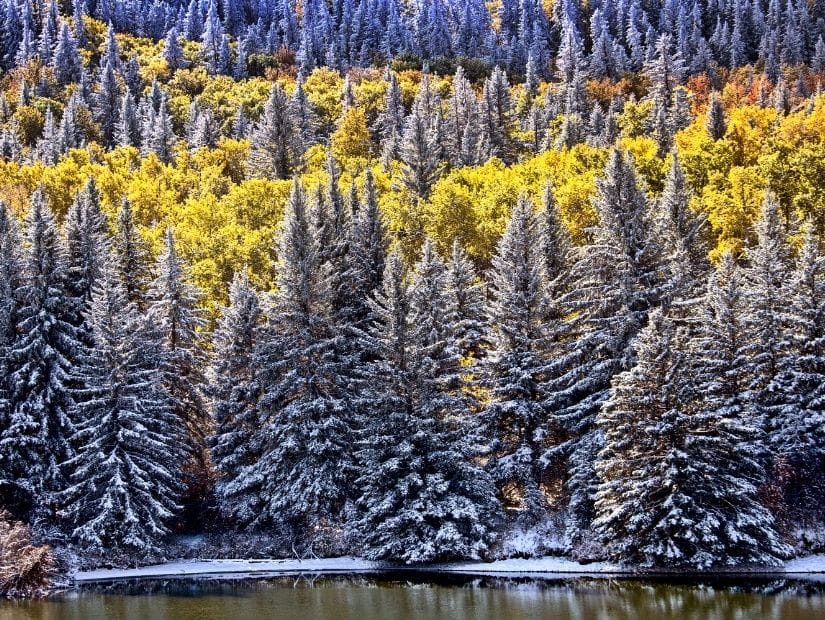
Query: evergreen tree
{"points": [[616, 278], [677, 481], [212, 38], [390, 121], [466, 304], [797, 420], [274, 150], [11, 274], [66, 62], [127, 128], [176, 321], [132, 256], [234, 392], [36, 443], [126, 475], [497, 116], [422, 499], [679, 231], [421, 147], [716, 123], [303, 477], [765, 298], [513, 422], [173, 52]]}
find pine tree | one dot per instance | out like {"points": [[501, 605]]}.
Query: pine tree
{"points": [[765, 295], [679, 231], [390, 121], [211, 38], [234, 392], [66, 62], [304, 475], [127, 129], [177, 322], [11, 275], [513, 421], [87, 246], [497, 116], [126, 475], [421, 147], [107, 104], [274, 152], [676, 480], [422, 499], [466, 304], [132, 256], [172, 51], [36, 443], [616, 278], [716, 123]]}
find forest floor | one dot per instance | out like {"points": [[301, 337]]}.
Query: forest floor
{"points": [[814, 564]]}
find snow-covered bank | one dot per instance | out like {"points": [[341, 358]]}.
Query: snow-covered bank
{"points": [[193, 568], [548, 565]]}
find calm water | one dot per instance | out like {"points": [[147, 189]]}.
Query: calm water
{"points": [[404, 598]]}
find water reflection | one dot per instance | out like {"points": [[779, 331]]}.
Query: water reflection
{"points": [[413, 596]]}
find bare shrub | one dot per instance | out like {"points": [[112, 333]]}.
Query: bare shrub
{"points": [[26, 569]]}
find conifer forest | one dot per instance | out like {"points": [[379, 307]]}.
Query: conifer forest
{"points": [[414, 280]]}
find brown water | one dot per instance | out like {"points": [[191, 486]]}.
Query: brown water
{"points": [[402, 598]]}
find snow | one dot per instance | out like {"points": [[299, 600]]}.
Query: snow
{"points": [[192, 568], [807, 564], [242, 568], [532, 565]]}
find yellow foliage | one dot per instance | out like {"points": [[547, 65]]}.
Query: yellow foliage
{"points": [[352, 137]]}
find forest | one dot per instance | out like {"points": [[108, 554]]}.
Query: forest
{"points": [[413, 280]]}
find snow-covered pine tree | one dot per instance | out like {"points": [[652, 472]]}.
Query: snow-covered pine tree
{"points": [[513, 421], [87, 248], [497, 117], [390, 121], [766, 277], [796, 422], [677, 476], [11, 275], [126, 477], [132, 256], [715, 122], [303, 478], [467, 307], [176, 319], [679, 231], [423, 500], [274, 153], [421, 146], [616, 277], [234, 393], [36, 443]]}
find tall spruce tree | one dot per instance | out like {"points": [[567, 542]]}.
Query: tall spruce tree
{"points": [[36, 443], [235, 393], [421, 147], [513, 421], [177, 321], [616, 277], [422, 499], [677, 486], [766, 277], [127, 473], [303, 477], [274, 151]]}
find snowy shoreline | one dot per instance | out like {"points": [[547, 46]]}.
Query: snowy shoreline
{"points": [[809, 565]]}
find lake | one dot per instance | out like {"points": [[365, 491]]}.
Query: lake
{"points": [[412, 596]]}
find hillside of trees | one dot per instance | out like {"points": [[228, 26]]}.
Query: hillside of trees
{"points": [[414, 280]]}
